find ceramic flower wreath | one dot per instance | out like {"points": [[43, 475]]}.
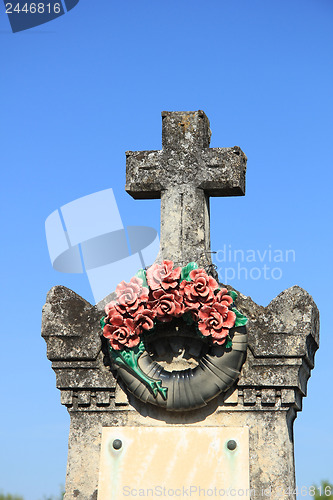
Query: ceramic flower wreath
{"points": [[161, 294]]}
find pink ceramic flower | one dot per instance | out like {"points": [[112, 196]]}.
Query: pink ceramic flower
{"points": [[167, 305], [163, 276], [131, 297], [223, 298], [215, 321], [199, 291], [111, 309], [121, 333]]}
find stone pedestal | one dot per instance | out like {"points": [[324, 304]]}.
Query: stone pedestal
{"points": [[283, 338]]}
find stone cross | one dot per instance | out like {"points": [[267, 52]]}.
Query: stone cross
{"points": [[184, 174]]}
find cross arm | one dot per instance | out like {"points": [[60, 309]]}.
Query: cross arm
{"points": [[223, 171], [144, 174]]}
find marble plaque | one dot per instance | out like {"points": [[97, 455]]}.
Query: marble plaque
{"points": [[178, 462]]}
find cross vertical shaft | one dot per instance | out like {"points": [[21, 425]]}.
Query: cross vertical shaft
{"points": [[185, 225], [184, 174]]}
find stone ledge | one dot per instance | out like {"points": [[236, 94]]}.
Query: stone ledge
{"points": [[247, 399], [87, 400]]}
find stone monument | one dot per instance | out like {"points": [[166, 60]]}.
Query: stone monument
{"points": [[185, 403]]}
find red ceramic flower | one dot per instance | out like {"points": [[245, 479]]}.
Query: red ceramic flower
{"points": [[115, 308], [131, 297], [215, 321], [163, 276], [223, 298], [145, 320], [137, 307], [199, 291], [167, 305], [121, 333]]}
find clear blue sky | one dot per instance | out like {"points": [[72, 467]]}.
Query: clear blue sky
{"points": [[80, 91]]}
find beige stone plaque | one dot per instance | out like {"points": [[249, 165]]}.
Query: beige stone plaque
{"points": [[174, 462]]}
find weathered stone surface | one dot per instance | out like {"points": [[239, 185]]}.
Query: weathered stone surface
{"points": [[184, 174], [70, 326], [64, 326]]}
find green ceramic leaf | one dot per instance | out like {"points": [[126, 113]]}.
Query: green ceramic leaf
{"points": [[241, 320], [102, 322], [228, 343], [131, 356], [233, 295], [142, 275], [117, 357], [185, 273], [128, 358]]}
